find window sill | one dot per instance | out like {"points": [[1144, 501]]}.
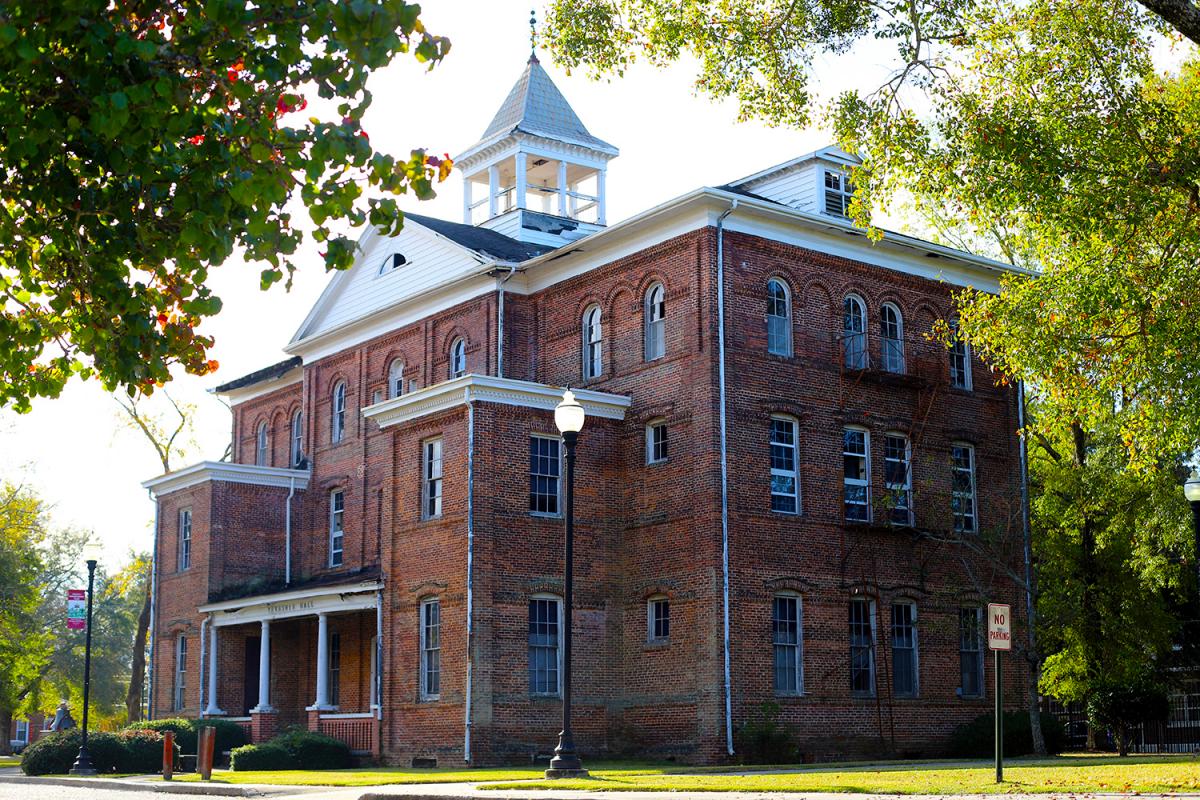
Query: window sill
{"points": [[791, 695], [544, 515], [657, 463], [656, 644], [777, 512], [432, 698], [545, 698]]}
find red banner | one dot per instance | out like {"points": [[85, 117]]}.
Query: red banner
{"points": [[76, 609]]}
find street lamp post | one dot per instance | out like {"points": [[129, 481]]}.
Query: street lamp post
{"points": [[83, 761], [568, 417], [1191, 490]]}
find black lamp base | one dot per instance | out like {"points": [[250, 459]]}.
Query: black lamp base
{"points": [[83, 764], [555, 774]]}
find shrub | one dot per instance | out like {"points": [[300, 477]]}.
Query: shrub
{"points": [[229, 734], [55, 754], [142, 751], [762, 740], [313, 750], [1121, 707], [260, 757], [184, 730], [977, 738]]}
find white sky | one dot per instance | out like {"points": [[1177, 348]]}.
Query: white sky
{"points": [[75, 451]]}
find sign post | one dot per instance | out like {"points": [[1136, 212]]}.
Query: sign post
{"points": [[76, 609], [999, 639]]}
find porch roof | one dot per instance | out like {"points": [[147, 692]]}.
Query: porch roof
{"points": [[306, 602]]}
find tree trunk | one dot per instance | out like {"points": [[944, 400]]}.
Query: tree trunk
{"points": [[1182, 15], [1035, 707], [6, 716], [137, 678]]}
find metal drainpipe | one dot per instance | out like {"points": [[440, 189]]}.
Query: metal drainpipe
{"points": [[287, 533], [203, 641], [500, 323], [153, 613], [470, 566], [724, 466], [379, 654]]}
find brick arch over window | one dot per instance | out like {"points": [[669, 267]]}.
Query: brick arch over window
{"points": [[280, 429], [814, 311]]}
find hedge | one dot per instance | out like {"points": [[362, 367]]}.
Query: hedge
{"points": [[128, 751], [229, 734], [293, 749], [977, 739], [266, 756]]}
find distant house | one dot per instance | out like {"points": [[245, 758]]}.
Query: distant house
{"points": [[25, 731]]}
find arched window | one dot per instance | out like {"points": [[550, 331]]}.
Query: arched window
{"points": [[396, 378], [458, 358], [593, 359], [261, 444], [297, 453], [854, 332], [337, 430], [655, 313], [891, 336], [779, 318]]}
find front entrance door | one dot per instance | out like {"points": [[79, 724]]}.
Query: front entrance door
{"points": [[250, 693]]}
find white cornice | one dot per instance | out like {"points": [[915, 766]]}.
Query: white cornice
{"points": [[229, 473], [488, 389], [337, 598], [237, 396]]}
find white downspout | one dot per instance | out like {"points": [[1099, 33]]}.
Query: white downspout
{"points": [[500, 323], [153, 613], [287, 533], [724, 465], [203, 641], [470, 566]]}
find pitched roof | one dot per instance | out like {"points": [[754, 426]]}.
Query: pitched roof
{"points": [[481, 240], [536, 106], [264, 374]]}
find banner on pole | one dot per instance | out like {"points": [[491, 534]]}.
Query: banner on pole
{"points": [[999, 626], [76, 609]]}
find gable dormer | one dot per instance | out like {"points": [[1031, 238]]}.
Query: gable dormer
{"points": [[818, 182], [537, 174]]}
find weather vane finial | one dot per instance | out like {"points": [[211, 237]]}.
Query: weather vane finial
{"points": [[533, 34]]}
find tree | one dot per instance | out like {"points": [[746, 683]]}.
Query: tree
{"points": [[142, 143]]}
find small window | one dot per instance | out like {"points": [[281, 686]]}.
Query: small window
{"points": [[838, 191], [970, 652], [396, 378], [857, 472], [337, 509], [960, 360], [904, 649], [185, 539], [655, 314], [261, 445], [392, 262], [544, 473], [788, 644], [337, 429], [335, 669], [297, 454], [785, 473], [891, 337], [779, 319], [431, 472], [962, 498], [854, 333], [23, 731], [862, 647], [458, 358], [544, 645], [593, 334], [897, 477], [658, 619], [656, 442], [431, 649], [180, 694]]}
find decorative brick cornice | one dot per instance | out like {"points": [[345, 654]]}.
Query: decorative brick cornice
{"points": [[230, 473]]}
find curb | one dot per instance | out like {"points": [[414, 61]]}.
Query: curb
{"points": [[165, 787]]}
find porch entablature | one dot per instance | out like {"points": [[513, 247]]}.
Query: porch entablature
{"points": [[313, 601], [204, 471]]}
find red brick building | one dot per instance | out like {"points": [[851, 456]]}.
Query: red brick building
{"points": [[773, 481]]}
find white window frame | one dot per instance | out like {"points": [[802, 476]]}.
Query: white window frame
{"points": [[891, 338], [593, 343], [779, 472], [854, 341], [185, 539], [431, 478], [297, 449], [430, 648], [654, 314], [558, 659], [337, 428], [900, 489], [960, 360], [775, 320], [179, 698], [960, 517], [653, 603], [796, 647], [869, 605], [334, 673], [395, 378], [963, 651], [848, 482], [458, 358], [22, 731], [262, 445], [915, 648], [838, 189], [653, 454], [337, 530], [558, 479]]}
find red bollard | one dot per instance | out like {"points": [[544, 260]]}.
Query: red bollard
{"points": [[208, 740], [168, 754]]}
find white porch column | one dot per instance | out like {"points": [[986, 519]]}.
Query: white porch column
{"points": [[600, 218], [322, 702], [467, 200], [562, 188], [212, 710], [264, 670], [493, 189], [522, 187]]}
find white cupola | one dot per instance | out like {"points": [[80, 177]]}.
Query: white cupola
{"points": [[536, 174]]}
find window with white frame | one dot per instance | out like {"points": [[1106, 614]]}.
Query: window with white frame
{"points": [[779, 318], [970, 652], [431, 478], [904, 649], [261, 445], [656, 441], [335, 668], [337, 537], [787, 641], [297, 452], [658, 619], [862, 646], [962, 479], [395, 378], [545, 472], [856, 460], [544, 645], [431, 649], [854, 333], [897, 477], [23, 731], [458, 358], [180, 694], [593, 337], [838, 191], [891, 338], [337, 428], [785, 466], [655, 313], [185, 538], [960, 360]]}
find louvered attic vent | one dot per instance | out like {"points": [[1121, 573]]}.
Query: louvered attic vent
{"points": [[394, 261]]}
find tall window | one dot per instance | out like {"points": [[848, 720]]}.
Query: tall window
{"points": [[897, 476], [23, 731], [787, 643], [785, 474], [261, 444], [431, 649], [656, 441], [891, 337], [970, 651], [655, 314], [335, 668], [396, 378], [544, 643], [337, 429], [544, 472], [185, 538], [658, 619], [180, 695], [962, 498], [337, 509], [779, 319], [960, 360], [904, 649], [862, 646], [838, 191], [458, 358], [857, 471], [297, 453], [431, 479], [593, 358], [854, 333]]}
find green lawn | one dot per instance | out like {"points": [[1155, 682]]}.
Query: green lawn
{"points": [[10, 761]]}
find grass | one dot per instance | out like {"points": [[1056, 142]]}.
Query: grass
{"points": [[10, 761]]}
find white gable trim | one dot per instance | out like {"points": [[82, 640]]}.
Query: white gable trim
{"points": [[230, 473], [833, 155]]}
